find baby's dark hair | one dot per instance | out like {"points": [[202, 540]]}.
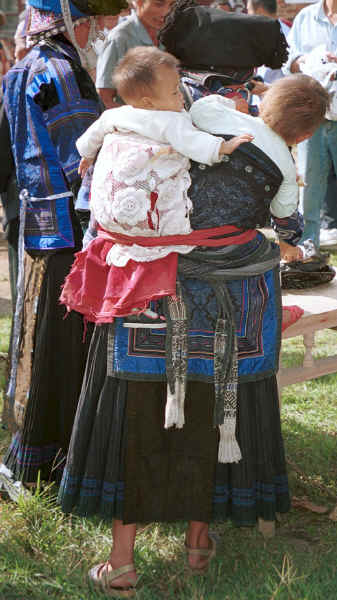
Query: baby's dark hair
{"points": [[136, 73], [294, 106]]}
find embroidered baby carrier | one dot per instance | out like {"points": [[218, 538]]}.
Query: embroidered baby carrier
{"points": [[239, 190], [140, 188]]}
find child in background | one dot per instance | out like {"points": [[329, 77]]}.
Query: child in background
{"points": [[139, 189]]}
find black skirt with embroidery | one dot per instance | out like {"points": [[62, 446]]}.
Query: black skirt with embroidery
{"points": [[123, 464], [50, 375]]}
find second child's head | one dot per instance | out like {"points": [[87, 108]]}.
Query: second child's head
{"points": [[148, 78], [294, 107]]}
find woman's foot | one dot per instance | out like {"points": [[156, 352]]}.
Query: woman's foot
{"points": [[200, 556], [118, 582]]}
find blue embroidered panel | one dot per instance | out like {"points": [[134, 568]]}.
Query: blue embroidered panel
{"points": [[140, 353]]}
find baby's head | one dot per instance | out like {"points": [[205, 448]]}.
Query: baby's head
{"points": [[294, 107], [148, 78]]}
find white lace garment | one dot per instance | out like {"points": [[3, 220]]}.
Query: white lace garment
{"points": [[141, 176]]}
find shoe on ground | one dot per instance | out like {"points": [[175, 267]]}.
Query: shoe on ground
{"points": [[10, 486], [145, 320]]}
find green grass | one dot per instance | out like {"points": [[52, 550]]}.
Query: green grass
{"points": [[45, 555], [5, 325]]}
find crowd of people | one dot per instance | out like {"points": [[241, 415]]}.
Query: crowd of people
{"points": [[155, 399]]}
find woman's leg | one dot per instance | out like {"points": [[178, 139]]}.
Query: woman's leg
{"points": [[122, 551], [197, 538]]}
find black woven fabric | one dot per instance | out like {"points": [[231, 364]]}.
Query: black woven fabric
{"points": [[123, 464], [237, 191], [57, 371]]}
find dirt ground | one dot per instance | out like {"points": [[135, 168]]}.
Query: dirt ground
{"points": [[5, 293]]}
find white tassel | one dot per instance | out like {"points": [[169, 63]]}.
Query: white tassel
{"points": [[174, 411], [229, 449]]}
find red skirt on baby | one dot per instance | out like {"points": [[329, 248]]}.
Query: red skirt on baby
{"points": [[102, 292]]}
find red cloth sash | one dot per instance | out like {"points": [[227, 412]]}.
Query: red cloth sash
{"points": [[201, 237]]}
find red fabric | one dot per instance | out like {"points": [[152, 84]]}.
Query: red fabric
{"points": [[201, 237], [101, 292], [294, 314]]}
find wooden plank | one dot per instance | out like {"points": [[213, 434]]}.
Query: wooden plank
{"points": [[320, 312], [312, 322], [322, 366]]}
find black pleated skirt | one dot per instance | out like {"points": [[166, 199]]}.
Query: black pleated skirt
{"points": [[123, 464], [54, 380]]}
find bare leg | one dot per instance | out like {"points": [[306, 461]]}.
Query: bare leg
{"points": [[197, 537], [122, 551]]}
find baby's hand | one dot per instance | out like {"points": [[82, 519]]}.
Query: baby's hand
{"points": [[290, 253], [84, 166], [235, 142]]}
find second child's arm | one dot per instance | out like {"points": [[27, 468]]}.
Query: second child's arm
{"points": [[199, 145]]}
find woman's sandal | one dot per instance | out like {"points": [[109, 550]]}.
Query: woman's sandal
{"points": [[207, 553], [103, 575]]}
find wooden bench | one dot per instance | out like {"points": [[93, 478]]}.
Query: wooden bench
{"points": [[320, 312]]}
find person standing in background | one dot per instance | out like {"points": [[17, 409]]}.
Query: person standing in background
{"points": [[315, 25], [139, 29], [47, 93], [8, 185]]}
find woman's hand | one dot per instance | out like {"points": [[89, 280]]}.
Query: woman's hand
{"points": [[290, 253], [259, 88]]}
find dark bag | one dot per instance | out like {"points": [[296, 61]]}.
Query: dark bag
{"points": [[313, 271], [208, 38]]}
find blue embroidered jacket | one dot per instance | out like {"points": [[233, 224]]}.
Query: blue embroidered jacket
{"points": [[50, 101]]}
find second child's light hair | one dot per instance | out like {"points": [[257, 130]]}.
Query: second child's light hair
{"points": [[294, 106], [136, 73]]}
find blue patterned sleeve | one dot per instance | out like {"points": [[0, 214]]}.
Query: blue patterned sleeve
{"points": [[43, 170], [46, 114], [289, 229]]}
